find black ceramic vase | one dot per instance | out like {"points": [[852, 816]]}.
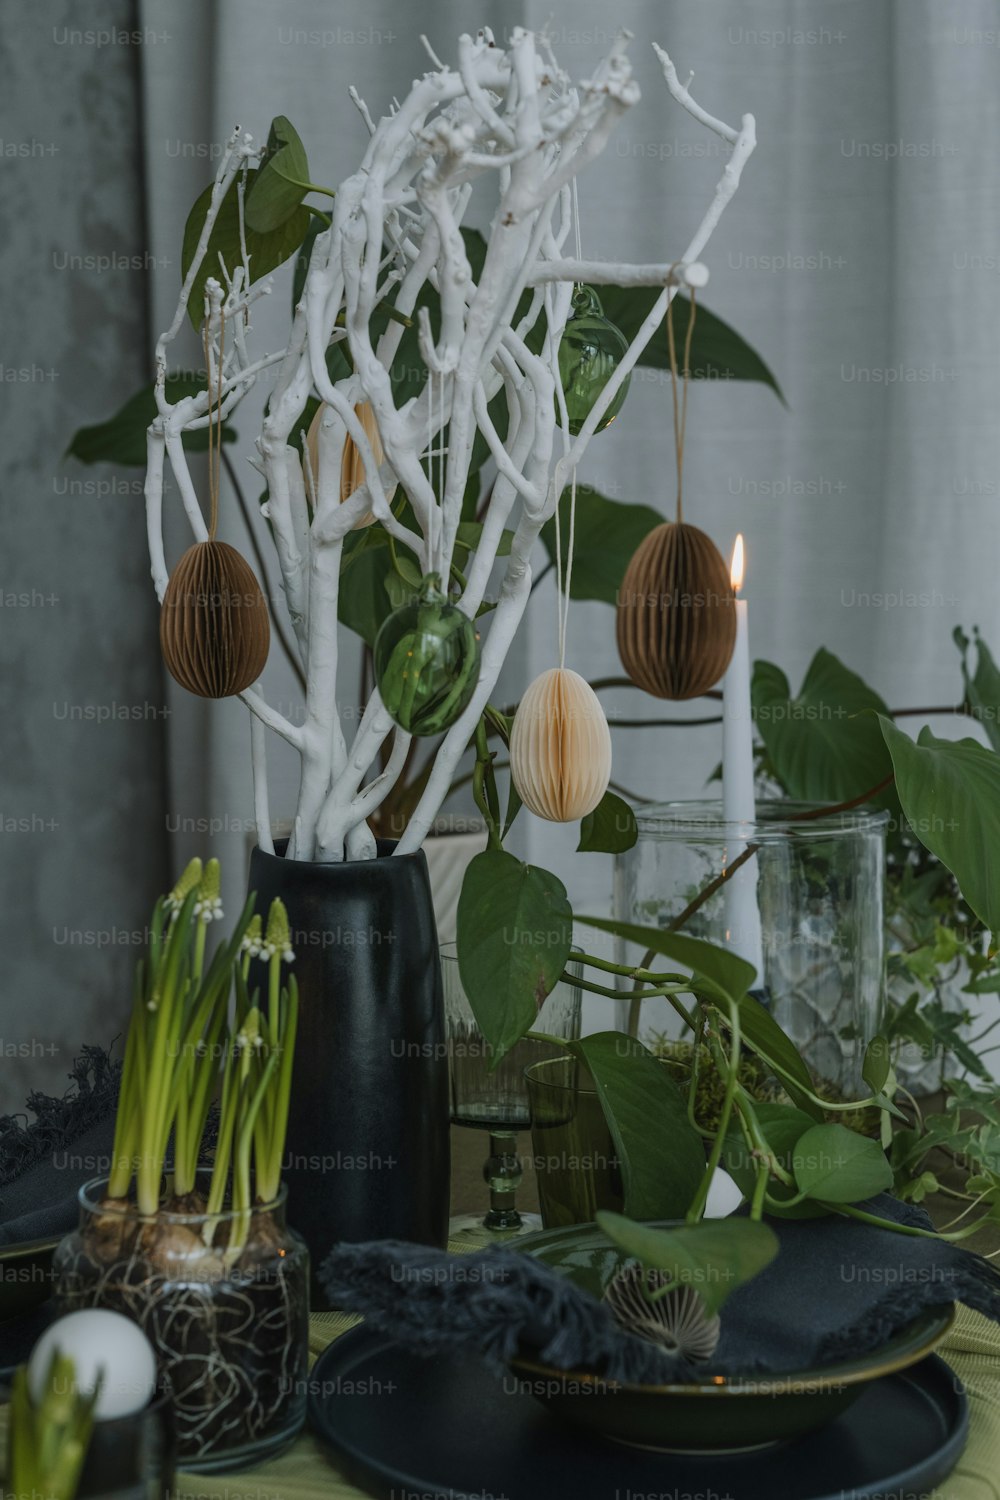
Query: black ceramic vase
{"points": [[368, 1130]]}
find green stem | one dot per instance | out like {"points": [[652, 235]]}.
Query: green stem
{"points": [[227, 1125], [758, 1140], [633, 972], [759, 1193], [697, 1208], [273, 998], [864, 1217], [484, 789], [241, 1165], [269, 1167]]}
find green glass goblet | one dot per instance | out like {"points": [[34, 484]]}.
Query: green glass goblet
{"points": [[497, 1101]]}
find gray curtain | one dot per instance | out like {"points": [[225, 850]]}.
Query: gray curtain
{"points": [[82, 729]]}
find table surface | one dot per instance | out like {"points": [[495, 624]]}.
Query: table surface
{"points": [[306, 1470]]}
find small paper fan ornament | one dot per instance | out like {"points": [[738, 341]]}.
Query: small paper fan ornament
{"points": [[676, 613], [677, 1320], [352, 468], [215, 630]]}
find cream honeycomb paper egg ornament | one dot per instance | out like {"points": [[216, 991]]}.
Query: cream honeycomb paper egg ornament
{"points": [[352, 469], [560, 747]]}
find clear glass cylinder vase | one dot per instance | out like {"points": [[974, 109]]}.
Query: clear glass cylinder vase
{"points": [[224, 1301], [815, 881]]}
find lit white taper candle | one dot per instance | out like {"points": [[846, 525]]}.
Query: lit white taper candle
{"points": [[743, 933]]}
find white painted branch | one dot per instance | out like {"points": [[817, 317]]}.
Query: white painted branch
{"points": [[610, 273], [510, 114], [189, 499], [257, 704], [283, 473], [680, 92], [261, 801], [153, 492]]}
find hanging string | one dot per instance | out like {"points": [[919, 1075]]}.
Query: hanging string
{"points": [[434, 530], [214, 424], [680, 404], [570, 543], [430, 467], [440, 483], [563, 586]]}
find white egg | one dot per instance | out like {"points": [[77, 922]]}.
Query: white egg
{"points": [[98, 1341], [724, 1197]]}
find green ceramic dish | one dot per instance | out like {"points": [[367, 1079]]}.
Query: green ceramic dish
{"points": [[25, 1276], [718, 1414]]}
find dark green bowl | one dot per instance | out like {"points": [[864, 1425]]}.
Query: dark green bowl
{"points": [[718, 1414]]}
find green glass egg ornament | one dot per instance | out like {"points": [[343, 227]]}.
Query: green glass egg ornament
{"points": [[427, 661], [590, 351]]}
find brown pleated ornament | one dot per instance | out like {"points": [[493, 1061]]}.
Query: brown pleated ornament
{"points": [[560, 747], [676, 622], [214, 625], [352, 468]]}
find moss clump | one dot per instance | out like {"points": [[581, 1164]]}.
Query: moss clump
{"points": [[678, 1057]]}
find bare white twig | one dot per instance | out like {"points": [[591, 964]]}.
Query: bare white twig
{"points": [[396, 229]]}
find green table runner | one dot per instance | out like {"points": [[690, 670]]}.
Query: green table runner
{"points": [[306, 1470]]}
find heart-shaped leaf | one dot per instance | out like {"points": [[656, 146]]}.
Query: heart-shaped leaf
{"points": [[282, 179], [266, 251], [950, 792], [837, 1165], [822, 744], [718, 352], [782, 1125], [515, 929], [877, 1065], [606, 534], [662, 1157], [982, 687], [610, 829], [716, 1257], [122, 438], [762, 1032]]}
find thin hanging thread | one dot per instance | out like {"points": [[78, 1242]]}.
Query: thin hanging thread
{"points": [[562, 593], [570, 543], [441, 481], [434, 539], [214, 425], [680, 405]]}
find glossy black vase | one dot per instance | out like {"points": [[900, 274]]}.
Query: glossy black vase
{"points": [[368, 1131]]}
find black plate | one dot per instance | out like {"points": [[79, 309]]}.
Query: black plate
{"points": [[19, 1336], [26, 1307], [454, 1429]]}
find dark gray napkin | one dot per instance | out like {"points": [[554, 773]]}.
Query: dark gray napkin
{"points": [[45, 1161], [837, 1288], [493, 1303]]}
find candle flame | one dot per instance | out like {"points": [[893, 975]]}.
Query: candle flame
{"points": [[736, 567]]}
